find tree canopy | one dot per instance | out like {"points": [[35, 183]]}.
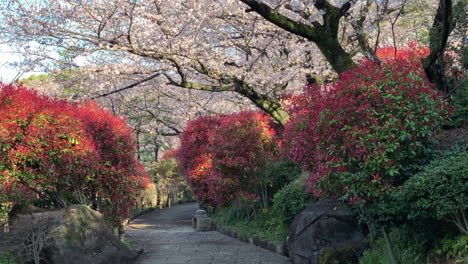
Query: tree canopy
{"points": [[259, 50]]}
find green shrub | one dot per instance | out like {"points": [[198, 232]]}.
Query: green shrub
{"points": [[262, 223], [272, 223], [460, 102], [237, 211], [281, 173], [275, 176], [455, 248], [407, 250], [439, 191], [291, 200], [436, 194]]}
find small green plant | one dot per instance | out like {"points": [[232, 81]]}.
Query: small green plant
{"points": [[455, 248], [291, 200]]}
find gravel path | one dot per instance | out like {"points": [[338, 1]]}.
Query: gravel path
{"points": [[168, 238]]}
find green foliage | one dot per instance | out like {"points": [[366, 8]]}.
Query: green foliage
{"points": [[455, 248], [5, 208], [7, 258], [274, 177], [281, 173], [425, 202], [291, 200], [264, 223], [170, 184], [270, 223], [147, 200], [460, 103], [439, 191], [166, 168], [40, 78], [408, 250], [240, 210]]}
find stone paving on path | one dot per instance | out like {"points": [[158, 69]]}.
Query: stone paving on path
{"points": [[167, 237]]}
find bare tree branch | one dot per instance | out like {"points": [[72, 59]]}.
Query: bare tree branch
{"points": [[127, 87]]}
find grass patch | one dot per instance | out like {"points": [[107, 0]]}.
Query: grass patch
{"points": [[263, 224], [128, 243]]}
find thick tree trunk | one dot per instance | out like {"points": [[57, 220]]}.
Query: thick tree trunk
{"points": [[269, 105], [338, 58], [439, 33]]}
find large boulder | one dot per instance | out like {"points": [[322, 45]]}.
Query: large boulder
{"points": [[325, 233], [83, 236], [74, 235]]}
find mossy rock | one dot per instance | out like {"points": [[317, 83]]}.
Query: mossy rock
{"points": [[83, 236], [323, 233]]}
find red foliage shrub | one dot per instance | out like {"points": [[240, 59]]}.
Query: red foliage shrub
{"points": [[241, 147], [65, 153], [194, 155], [118, 174], [356, 134], [222, 156], [412, 52], [42, 142]]}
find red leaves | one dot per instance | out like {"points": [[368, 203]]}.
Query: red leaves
{"points": [[121, 176], [194, 156], [52, 147], [221, 156], [412, 52], [366, 122]]}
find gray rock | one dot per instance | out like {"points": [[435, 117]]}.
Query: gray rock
{"points": [[84, 237], [200, 213], [203, 224], [322, 227]]}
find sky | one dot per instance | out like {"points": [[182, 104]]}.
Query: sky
{"points": [[8, 72]]}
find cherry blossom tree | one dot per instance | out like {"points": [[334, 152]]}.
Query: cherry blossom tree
{"points": [[257, 49], [319, 22], [200, 45]]}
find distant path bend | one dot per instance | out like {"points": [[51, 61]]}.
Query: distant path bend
{"points": [[168, 238]]}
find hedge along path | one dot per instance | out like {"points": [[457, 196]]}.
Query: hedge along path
{"points": [[167, 237]]}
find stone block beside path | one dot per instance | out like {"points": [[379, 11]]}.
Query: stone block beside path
{"points": [[203, 223]]}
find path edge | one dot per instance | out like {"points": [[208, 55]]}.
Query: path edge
{"points": [[279, 248]]}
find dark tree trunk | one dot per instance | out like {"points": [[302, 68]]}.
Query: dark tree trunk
{"points": [[439, 33], [137, 135], [338, 58]]}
